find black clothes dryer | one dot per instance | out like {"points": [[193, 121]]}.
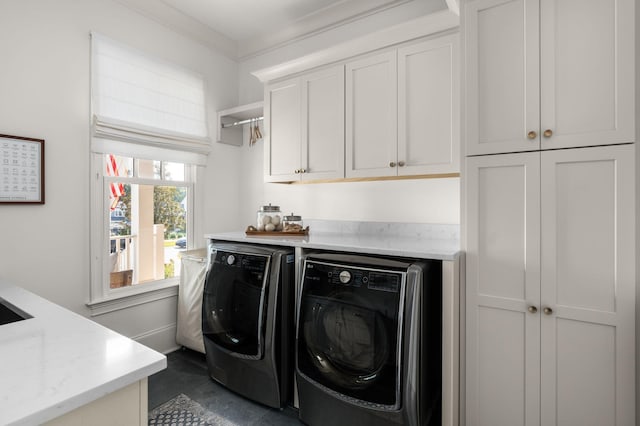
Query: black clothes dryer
{"points": [[247, 320], [368, 341]]}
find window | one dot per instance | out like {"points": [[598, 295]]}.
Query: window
{"points": [[149, 141], [148, 220]]}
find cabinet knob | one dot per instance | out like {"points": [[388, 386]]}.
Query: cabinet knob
{"points": [[548, 133], [303, 171], [532, 135], [401, 163], [532, 309], [296, 171], [547, 311], [392, 164]]}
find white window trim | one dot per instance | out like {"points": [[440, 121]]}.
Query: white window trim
{"points": [[115, 304], [102, 298]]}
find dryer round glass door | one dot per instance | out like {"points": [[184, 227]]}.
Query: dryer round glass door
{"points": [[348, 332], [233, 303]]}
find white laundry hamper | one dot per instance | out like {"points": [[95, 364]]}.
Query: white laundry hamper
{"points": [[192, 277]]}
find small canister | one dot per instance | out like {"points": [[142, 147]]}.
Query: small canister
{"points": [[269, 218], [292, 223]]}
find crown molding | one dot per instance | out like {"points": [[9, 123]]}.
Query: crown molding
{"points": [[454, 6], [416, 28], [181, 23], [330, 17]]}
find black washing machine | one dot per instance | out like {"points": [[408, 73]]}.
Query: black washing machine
{"points": [[247, 320], [368, 341]]}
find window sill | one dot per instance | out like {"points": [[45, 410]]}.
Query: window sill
{"points": [[124, 301]]}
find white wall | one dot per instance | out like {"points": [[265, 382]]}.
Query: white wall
{"points": [[413, 201], [45, 93], [417, 201]]}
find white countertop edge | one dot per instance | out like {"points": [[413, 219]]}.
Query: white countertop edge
{"points": [[85, 397], [365, 244], [429, 254], [52, 320]]}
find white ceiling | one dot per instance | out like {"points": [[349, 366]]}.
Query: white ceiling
{"points": [[243, 19]]}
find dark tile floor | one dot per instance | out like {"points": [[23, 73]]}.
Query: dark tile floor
{"points": [[186, 373]]}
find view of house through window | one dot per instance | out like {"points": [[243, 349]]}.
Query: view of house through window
{"points": [[147, 219]]}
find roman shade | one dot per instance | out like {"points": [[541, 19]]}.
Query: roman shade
{"points": [[143, 101]]}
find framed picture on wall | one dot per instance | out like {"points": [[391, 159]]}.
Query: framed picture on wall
{"points": [[21, 170]]}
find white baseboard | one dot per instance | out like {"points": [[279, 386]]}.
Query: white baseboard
{"points": [[161, 339]]}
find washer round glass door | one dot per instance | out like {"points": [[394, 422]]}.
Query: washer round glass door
{"points": [[233, 303], [348, 332]]}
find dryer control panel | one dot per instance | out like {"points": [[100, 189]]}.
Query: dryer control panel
{"points": [[349, 275]]}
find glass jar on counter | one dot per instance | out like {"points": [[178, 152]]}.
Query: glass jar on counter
{"points": [[292, 223], [269, 218]]}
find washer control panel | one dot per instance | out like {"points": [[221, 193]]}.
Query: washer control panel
{"points": [[241, 260]]}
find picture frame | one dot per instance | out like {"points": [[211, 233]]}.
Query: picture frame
{"points": [[21, 170]]}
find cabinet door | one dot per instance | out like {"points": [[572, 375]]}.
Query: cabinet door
{"points": [[282, 131], [587, 77], [371, 116], [323, 124], [125, 406], [503, 290], [588, 258], [428, 107], [502, 100]]}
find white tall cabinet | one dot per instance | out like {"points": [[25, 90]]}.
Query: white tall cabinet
{"points": [[550, 220], [550, 307], [587, 290], [502, 282]]}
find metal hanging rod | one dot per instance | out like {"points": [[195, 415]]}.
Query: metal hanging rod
{"points": [[241, 122]]}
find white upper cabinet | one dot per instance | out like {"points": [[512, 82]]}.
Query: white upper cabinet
{"points": [[384, 114], [323, 124], [545, 74], [402, 115], [587, 72], [428, 107], [502, 75], [371, 116], [304, 124], [282, 131]]}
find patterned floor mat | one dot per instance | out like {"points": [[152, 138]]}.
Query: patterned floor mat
{"points": [[183, 411]]}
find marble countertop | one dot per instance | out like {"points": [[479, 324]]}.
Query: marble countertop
{"points": [[58, 361], [424, 241]]}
